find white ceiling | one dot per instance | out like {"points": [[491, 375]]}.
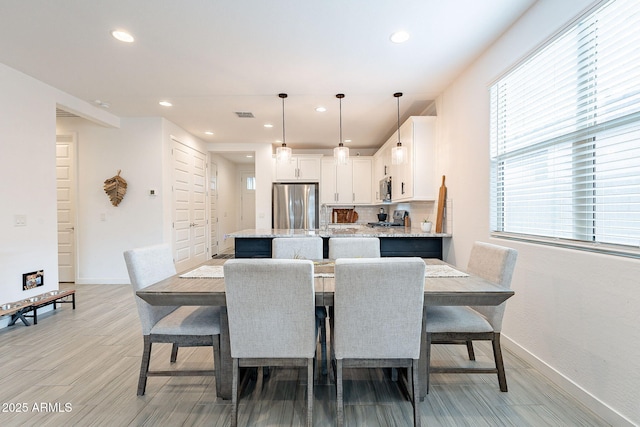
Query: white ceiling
{"points": [[213, 58]]}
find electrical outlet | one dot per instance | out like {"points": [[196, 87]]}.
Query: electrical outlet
{"points": [[20, 221]]}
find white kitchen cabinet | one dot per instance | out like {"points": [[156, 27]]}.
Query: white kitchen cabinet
{"points": [[299, 168], [362, 171], [415, 179], [403, 174], [346, 184], [384, 163], [381, 168]]}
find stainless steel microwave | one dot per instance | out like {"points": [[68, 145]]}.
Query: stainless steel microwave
{"points": [[385, 190]]}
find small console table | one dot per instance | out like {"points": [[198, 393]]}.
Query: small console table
{"points": [[20, 309]]}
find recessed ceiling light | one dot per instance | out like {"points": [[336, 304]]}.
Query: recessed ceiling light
{"points": [[123, 36], [208, 132], [268, 125], [249, 156], [347, 140], [321, 109], [102, 104], [400, 36], [165, 103]]}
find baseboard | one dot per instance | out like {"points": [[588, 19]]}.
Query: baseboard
{"points": [[102, 281], [580, 394]]}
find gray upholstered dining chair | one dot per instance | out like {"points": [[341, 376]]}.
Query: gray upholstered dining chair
{"points": [[270, 305], [180, 326], [463, 325], [297, 247], [354, 247], [378, 318], [305, 248]]}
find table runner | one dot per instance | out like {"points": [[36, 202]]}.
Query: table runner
{"points": [[217, 272]]}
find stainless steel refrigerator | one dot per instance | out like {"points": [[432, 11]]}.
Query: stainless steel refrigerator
{"points": [[295, 206]]}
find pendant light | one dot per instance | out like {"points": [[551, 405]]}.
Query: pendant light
{"points": [[398, 153], [283, 153], [341, 153]]}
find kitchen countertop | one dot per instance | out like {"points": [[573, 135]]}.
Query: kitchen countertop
{"points": [[356, 231]]}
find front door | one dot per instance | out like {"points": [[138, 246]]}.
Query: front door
{"points": [[189, 206]]}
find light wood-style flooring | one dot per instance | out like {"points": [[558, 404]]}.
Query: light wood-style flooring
{"points": [[80, 368]]}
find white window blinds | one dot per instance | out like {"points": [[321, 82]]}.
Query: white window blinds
{"points": [[565, 135]]}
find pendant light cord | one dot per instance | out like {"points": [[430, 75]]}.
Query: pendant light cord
{"points": [[340, 144], [398, 95], [283, 96], [340, 96]]}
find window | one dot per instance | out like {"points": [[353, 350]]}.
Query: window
{"points": [[565, 137], [251, 183]]}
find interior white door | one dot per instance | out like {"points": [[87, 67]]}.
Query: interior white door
{"points": [[248, 202], [65, 185], [213, 201], [189, 206]]}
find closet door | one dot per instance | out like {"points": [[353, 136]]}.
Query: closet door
{"points": [[189, 206], [66, 185]]}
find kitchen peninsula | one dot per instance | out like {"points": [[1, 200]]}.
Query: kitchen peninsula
{"points": [[394, 241]]}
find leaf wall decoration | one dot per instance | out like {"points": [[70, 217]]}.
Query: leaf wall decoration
{"points": [[115, 187]]}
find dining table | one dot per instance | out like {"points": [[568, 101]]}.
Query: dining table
{"points": [[204, 286]]}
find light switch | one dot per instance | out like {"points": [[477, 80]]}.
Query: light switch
{"points": [[20, 221]]}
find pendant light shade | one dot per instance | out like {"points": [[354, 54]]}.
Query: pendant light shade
{"points": [[398, 153], [341, 153], [283, 153]]}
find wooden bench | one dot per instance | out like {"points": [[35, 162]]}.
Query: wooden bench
{"points": [[20, 309]]}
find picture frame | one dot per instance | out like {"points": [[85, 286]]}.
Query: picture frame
{"points": [[32, 280]]}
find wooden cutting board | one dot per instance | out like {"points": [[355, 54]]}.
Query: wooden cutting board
{"points": [[442, 197], [345, 216]]}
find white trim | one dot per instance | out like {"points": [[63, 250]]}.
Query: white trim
{"points": [[567, 385], [545, 42], [602, 248], [103, 281]]}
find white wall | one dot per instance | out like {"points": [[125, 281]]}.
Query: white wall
{"points": [[141, 149], [28, 174], [228, 196], [574, 314], [264, 176], [135, 149]]}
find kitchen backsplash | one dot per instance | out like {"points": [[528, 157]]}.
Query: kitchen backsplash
{"points": [[418, 212]]}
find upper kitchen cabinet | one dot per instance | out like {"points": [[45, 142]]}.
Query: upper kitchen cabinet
{"points": [[382, 163], [299, 168], [415, 179], [346, 184]]}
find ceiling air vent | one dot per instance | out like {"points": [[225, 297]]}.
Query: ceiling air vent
{"points": [[63, 113], [244, 114]]}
